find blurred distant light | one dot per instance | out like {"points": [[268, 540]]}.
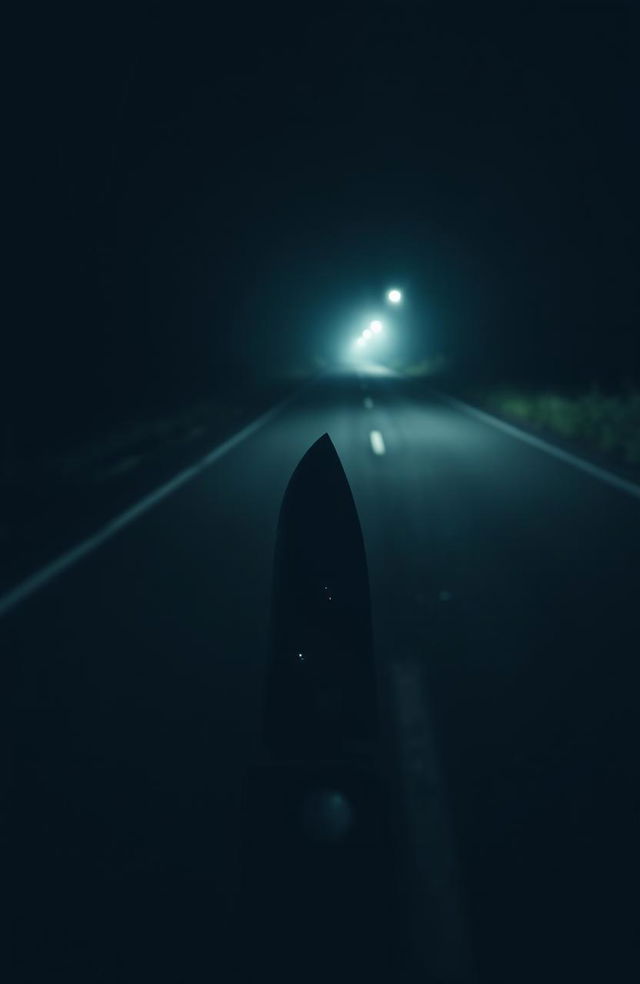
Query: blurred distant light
{"points": [[367, 333], [360, 340], [375, 326], [394, 296]]}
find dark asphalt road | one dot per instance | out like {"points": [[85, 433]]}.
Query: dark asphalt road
{"points": [[505, 597]]}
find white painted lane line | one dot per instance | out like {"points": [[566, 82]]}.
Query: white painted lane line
{"points": [[56, 567], [368, 403], [437, 924], [377, 442], [623, 484]]}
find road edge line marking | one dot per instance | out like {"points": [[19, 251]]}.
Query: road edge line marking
{"points": [[24, 589], [623, 484]]}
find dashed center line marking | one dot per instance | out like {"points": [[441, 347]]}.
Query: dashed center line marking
{"points": [[377, 442], [368, 403]]}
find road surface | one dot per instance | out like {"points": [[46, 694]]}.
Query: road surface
{"points": [[505, 595]]}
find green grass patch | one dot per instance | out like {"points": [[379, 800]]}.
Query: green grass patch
{"points": [[610, 423]]}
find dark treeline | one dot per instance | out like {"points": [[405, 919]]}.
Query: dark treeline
{"points": [[203, 201]]}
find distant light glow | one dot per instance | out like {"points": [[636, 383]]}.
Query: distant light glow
{"points": [[360, 341], [367, 333], [327, 815], [376, 326], [394, 296]]}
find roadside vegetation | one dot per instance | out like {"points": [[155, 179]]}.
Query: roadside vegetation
{"points": [[114, 451], [49, 498], [609, 423]]}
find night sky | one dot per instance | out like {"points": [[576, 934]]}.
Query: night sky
{"points": [[214, 197]]}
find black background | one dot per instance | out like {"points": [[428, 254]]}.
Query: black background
{"points": [[211, 195]]}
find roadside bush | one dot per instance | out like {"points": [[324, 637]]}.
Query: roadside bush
{"points": [[609, 423]]}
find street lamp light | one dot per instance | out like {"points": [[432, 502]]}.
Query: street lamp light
{"points": [[394, 296], [375, 326], [367, 333]]}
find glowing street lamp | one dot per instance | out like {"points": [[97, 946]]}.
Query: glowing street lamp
{"points": [[375, 326], [367, 333], [394, 296]]}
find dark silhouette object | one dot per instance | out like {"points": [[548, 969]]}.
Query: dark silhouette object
{"points": [[317, 891]]}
